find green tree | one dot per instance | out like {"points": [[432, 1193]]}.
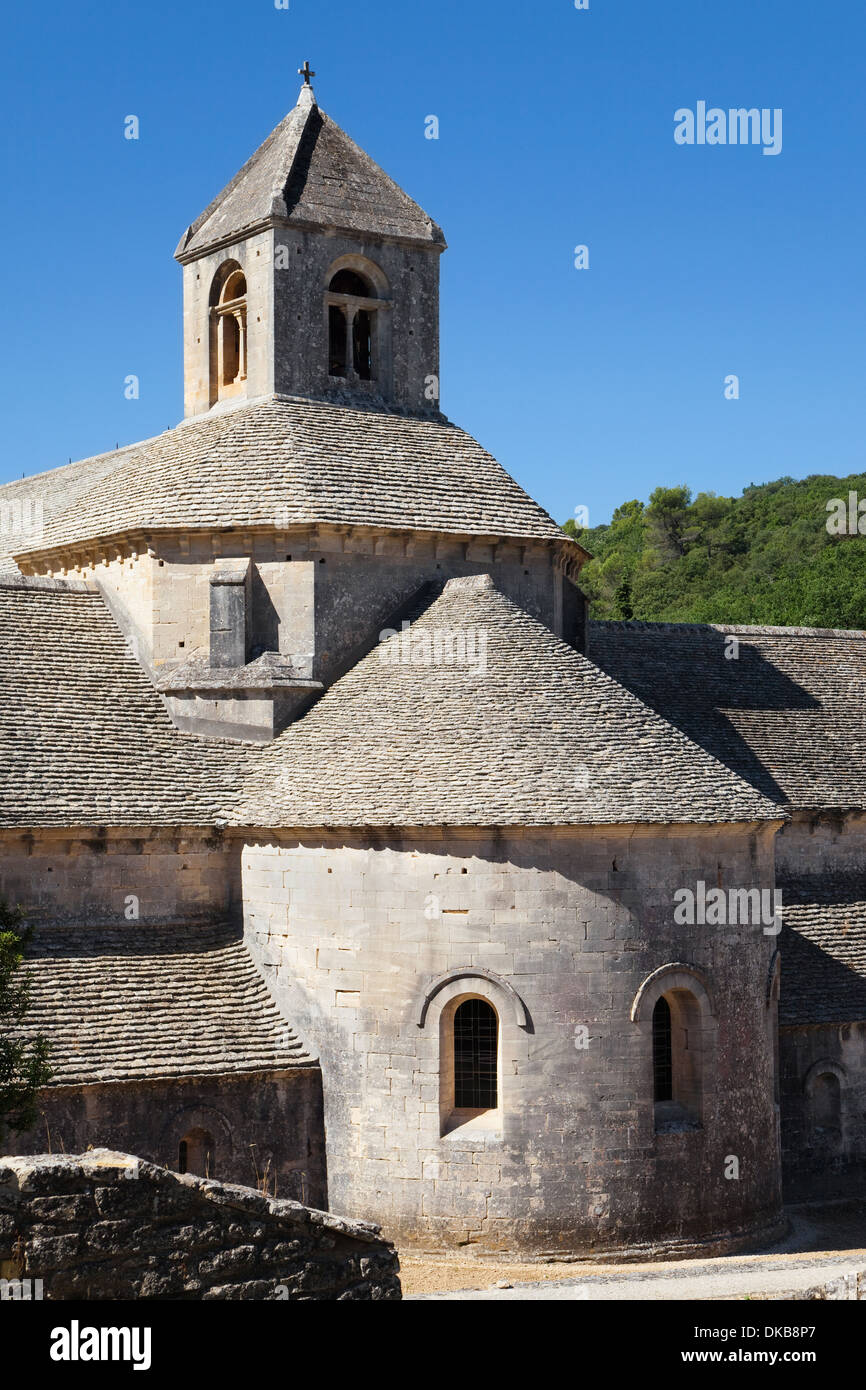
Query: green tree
{"points": [[668, 512], [622, 601], [763, 557], [24, 1065]]}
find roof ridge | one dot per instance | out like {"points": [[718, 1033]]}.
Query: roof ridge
{"points": [[640, 625], [47, 585], [377, 168], [673, 728], [287, 167], [194, 227]]}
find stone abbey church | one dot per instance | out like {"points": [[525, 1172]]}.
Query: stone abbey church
{"points": [[389, 922]]}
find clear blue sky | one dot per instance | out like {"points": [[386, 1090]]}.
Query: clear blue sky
{"points": [[592, 386]]}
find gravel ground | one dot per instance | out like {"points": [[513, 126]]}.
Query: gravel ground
{"points": [[823, 1243]]}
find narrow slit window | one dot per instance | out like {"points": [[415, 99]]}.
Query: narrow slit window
{"points": [[827, 1104]]}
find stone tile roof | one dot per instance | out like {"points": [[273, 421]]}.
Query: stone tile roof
{"points": [[134, 1002], [84, 737], [309, 172], [281, 461], [789, 715], [823, 944], [42, 496], [541, 737]]}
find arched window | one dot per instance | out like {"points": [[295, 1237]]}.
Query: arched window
{"points": [[231, 350], [476, 1030], [482, 1046], [195, 1153], [678, 1047], [352, 326], [228, 332], [675, 1012]]}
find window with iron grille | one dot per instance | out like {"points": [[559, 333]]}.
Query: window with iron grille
{"points": [[475, 1046], [663, 1070]]}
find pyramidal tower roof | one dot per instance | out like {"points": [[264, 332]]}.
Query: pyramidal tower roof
{"points": [[309, 173], [492, 737]]}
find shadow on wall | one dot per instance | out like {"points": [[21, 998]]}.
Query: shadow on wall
{"points": [[686, 677], [265, 618]]}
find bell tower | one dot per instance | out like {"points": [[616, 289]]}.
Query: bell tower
{"points": [[312, 274]]}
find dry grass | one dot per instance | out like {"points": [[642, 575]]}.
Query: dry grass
{"points": [[420, 1274]]}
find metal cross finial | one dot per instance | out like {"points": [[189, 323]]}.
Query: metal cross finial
{"points": [[306, 72]]}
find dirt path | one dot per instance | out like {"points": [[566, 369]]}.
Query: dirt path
{"points": [[823, 1243]]}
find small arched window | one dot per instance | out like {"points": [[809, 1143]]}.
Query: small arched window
{"points": [[352, 326], [476, 1030], [678, 1061], [677, 1018], [228, 332], [195, 1153]]}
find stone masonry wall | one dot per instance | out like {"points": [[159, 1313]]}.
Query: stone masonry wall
{"points": [[254, 256], [829, 848], [304, 264], [823, 1155], [288, 271], [257, 1122], [105, 1225], [318, 594], [369, 942], [89, 877], [365, 577]]}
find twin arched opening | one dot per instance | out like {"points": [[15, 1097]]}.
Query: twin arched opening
{"points": [[356, 304], [358, 326]]}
